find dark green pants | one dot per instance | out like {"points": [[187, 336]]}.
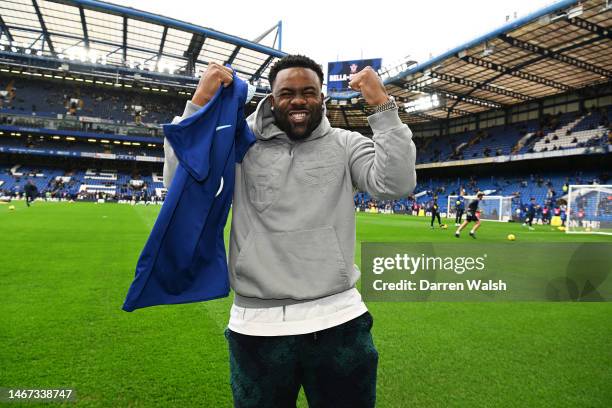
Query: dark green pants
{"points": [[336, 367]]}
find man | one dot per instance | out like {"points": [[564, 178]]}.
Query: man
{"points": [[550, 197], [459, 209], [297, 318], [545, 215], [435, 212], [145, 194], [353, 67], [563, 214], [31, 192], [471, 215], [531, 212]]}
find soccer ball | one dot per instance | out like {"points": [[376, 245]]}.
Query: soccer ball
{"points": [[511, 237], [444, 226], [561, 228], [11, 207], [587, 229]]}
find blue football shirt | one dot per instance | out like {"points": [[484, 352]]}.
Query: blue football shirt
{"points": [[184, 258]]}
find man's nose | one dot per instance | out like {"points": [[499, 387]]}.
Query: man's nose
{"points": [[298, 100]]}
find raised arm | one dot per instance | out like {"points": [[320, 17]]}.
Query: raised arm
{"points": [[384, 166]]}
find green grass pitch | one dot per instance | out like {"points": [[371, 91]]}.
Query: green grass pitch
{"points": [[66, 268]]}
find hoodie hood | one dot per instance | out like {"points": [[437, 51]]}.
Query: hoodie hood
{"points": [[263, 125]]}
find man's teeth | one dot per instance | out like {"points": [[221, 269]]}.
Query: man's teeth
{"points": [[298, 116]]}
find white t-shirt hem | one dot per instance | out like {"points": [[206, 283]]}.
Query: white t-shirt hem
{"points": [[289, 328], [299, 318]]}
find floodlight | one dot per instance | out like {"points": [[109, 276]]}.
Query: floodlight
{"points": [[575, 11]]}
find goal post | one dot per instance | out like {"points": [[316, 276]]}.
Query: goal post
{"points": [[492, 208], [589, 209]]}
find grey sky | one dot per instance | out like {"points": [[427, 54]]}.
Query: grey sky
{"points": [[330, 30]]}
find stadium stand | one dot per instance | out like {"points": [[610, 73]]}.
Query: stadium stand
{"points": [[120, 106], [572, 130], [80, 183]]}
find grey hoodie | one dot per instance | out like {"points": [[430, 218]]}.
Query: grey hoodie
{"points": [[293, 221]]}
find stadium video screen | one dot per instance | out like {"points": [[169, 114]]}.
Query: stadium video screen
{"points": [[339, 73]]}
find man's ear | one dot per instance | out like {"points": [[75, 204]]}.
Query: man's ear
{"points": [[271, 99]]}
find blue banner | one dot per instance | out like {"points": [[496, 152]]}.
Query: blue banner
{"points": [[108, 156], [340, 73], [83, 135]]}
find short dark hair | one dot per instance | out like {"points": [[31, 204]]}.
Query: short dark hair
{"points": [[294, 61]]}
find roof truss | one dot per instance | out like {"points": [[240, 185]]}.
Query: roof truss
{"points": [[5, 30], [261, 69], [43, 26], [480, 85], [557, 55], [84, 26], [592, 27], [193, 51], [517, 73]]}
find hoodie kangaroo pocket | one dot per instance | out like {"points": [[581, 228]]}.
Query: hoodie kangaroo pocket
{"points": [[300, 265]]}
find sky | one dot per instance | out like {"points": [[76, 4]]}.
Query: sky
{"points": [[330, 30]]}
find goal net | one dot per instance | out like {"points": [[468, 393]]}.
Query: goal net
{"points": [[589, 209], [493, 208]]}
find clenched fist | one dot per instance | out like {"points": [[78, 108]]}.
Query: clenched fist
{"points": [[370, 85], [214, 76]]}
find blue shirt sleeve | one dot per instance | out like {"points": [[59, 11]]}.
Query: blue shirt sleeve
{"points": [[192, 138]]}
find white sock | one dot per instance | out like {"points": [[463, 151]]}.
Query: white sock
{"points": [[472, 231]]}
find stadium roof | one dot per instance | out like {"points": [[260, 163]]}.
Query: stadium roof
{"points": [[560, 48], [99, 32]]}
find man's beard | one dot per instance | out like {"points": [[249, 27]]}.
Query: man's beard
{"points": [[281, 120]]}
